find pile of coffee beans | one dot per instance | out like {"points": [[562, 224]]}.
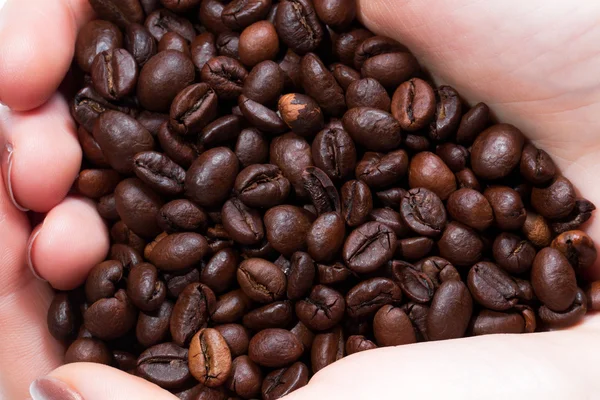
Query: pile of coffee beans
{"points": [[285, 188]]}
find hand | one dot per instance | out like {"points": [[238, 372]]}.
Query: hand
{"points": [[517, 67]]}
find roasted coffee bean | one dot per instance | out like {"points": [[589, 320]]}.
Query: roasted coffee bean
{"points": [[358, 343], [374, 129], [466, 179], [137, 206], [578, 247], [416, 143], [209, 358], [165, 365], [301, 113], [298, 25], [228, 44], [581, 213], [497, 151], [429, 171], [177, 283], [124, 361], [320, 84], [162, 21], [203, 48], [415, 284], [245, 379], [489, 322], [181, 215], [536, 165], [460, 245], [225, 75], [279, 314], [193, 108], [126, 255], [332, 274], [345, 44], [344, 75], [290, 65], [121, 13], [438, 269], [572, 315], [473, 123], [592, 293], [110, 318], [242, 223], [261, 280], [321, 190], [368, 296], [191, 312], [144, 288], [139, 43], [114, 74], [162, 78], [88, 350], [231, 307], [292, 154], [553, 279], [337, 14], [423, 211], [211, 177], [471, 208], [493, 288], [368, 247], [513, 254], [251, 147], [391, 69], [176, 147], [265, 83], [121, 137], [509, 211], [322, 309], [450, 311], [237, 338], [392, 219], [258, 42], [178, 251], [95, 183], [367, 93], [447, 114], [219, 273], [392, 327], [300, 276], [210, 15], [159, 172], [220, 132], [414, 104], [94, 38], [327, 348], [287, 227], [152, 121], [454, 156], [305, 335], [382, 170], [240, 13], [391, 197], [153, 327], [180, 5], [174, 41], [274, 348], [284, 381], [373, 46], [62, 320], [263, 118], [89, 146], [326, 236], [414, 248], [262, 186], [556, 200], [334, 152]]}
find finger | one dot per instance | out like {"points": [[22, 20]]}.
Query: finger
{"points": [[542, 366], [26, 349], [84, 381], [70, 241], [37, 42], [42, 155]]}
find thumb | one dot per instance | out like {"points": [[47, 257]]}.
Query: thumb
{"points": [[86, 381]]}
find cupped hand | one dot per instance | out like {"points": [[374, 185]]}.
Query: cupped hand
{"points": [[533, 62]]}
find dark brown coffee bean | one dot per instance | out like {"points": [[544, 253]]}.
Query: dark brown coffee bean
{"points": [[240, 13], [284, 381], [110, 318], [162, 21], [305, 335], [326, 236], [262, 186], [368, 296], [570, 316], [414, 104], [416, 285], [63, 318], [300, 276], [252, 147], [556, 200], [176, 147], [178, 251], [126, 255], [392, 327], [344, 75], [438, 269], [180, 5], [261, 280], [332, 274], [165, 365], [95, 183], [292, 154], [337, 14], [139, 43], [263, 118], [200, 391], [245, 379], [265, 83], [209, 358], [210, 14], [298, 26], [447, 115], [374, 129], [513, 254], [320, 84], [321, 190], [492, 287], [382, 170], [137, 206], [450, 311], [121, 13], [220, 132], [358, 343], [429, 171], [258, 42], [334, 152], [94, 38], [593, 295], [423, 212], [176, 283], [413, 248], [89, 146], [322, 309], [391, 197], [290, 65], [153, 327], [392, 219], [553, 279], [243, 224], [536, 165], [391, 69], [219, 273], [228, 44], [497, 151], [345, 44], [162, 78], [492, 322], [367, 93], [581, 213], [466, 179], [124, 361], [416, 143], [114, 74], [211, 177], [225, 75], [460, 245], [181, 215], [231, 307], [509, 211], [174, 41], [368, 247], [279, 314], [159, 172], [327, 348], [578, 247], [471, 208], [373, 46], [274, 348], [152, 121], [88, 350], [121, 137], [473, 123], [191, 312], [193, 108], [287, 227], [237, 338], [301, 113], [203, 48], [454, 156], [144, 288]]}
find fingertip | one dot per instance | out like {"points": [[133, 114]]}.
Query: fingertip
{"points": [[73, 239]]}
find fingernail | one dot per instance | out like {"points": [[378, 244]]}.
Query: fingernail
{"points": [[36, 232], [7, 161], [47, 388]]}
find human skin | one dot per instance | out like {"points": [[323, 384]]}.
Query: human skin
{"points": [[534, 62]]}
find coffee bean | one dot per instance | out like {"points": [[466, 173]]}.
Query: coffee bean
{"points": [[261, 117], [429, 171], [216, 169], [176, 147], [258, 42], [471, 208], [466, 179], [292, 154], [209, 358], [581, 213], [126, 255], [161, 21], [139, 43], [159, 172], [332, 274], [228, 44], [447, 115], [320, 84], [210, 15], [326, 236], [284, 381], [553, 319], [165, 365], [180, 5], [450, 311], [265, 83], [88, 350], [220, 132], [114, 74], [454, 156], [327, 348], [178, 251], [153, 327], [89, 146], [513, 254], [146, 291], [367, 93], [240, 13], [287, 227], [246, 378], [193, 108], [358, 343], [174, 41], [110, 318], [391, 197], [373, 46], [261, 280], [438, 269], [219, 273], [345, 44], [301, 113], [473, 123], [274, 348], [322, 309], [62, 319], [414, 104], [536, 165], [321, 190], [298, 26], [368, 296], [578, 247], [416, 285], [344, 75], [94, 38], [121, 13], [553, 279], [236, 337], [392, 327], [300, 276], [368, 247], [243, 224], [413, 248], [334, 152], [279, 314], [95, 183], [460, 244], [492, 322], [493, 288], [374, 129], [382, 170], [392, 219], [556, 200], [137, 206], [509, 211], [337, 14], [416, 143], [203, 48], [231, 307], [423, 211], [225, 75], [251, 147], [262, 186], [181, 215], [497, 151]]}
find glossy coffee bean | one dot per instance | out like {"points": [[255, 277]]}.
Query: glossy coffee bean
{"points": [[368, 247], [287, 227], [174, 41], [237, 338], [367, 93], [497, 151], [261, 280], [228, 44], [581, 213], [265, 83], [492, 287], [578, 247], [191, 312], [219, 273], [509, 211], [301, 275], [368, 296], [274, 348], [414, 104], [298, 26], [454, 156], [569, 317], [380, 170], [415, 284], [414, 248], [327, 348], [121, 13], [137, 206], [460, 245], [209, 358], [88, 350], [423, 211], [292, 154], [258, 42], [346, 43], [159, 172], [180, 5], [326, 236], [95, 183], [301, 113], [262, 186], [193, 108], [203, 48], [126, 255], [512, 253], [536, 165], [178, 251], [428, 171], [358, 343], [162, 21], [89, 146], [471, 208], [176, 147], [261, 117], [114, 74], [211, 177], [139, 43], [438, 269], [110, 318], [466, 179], [493, 322], [62, 319], [245, 379], [337, 14], [181, 215], [392, 327], [231, 306], [94, 38], [225, 75], [279, 314], [450, 311], [152, 327], [374, 129], [334, 152], [392, 219], [164, 365], [210, 15], [321, 190], [320, 84], [344, 75], [473, 123], [322, 309], [243, 224], [220, 132], [284, 381], [553, 279], [555, 201], [144, 288], [251, 147], [447, 114]]}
